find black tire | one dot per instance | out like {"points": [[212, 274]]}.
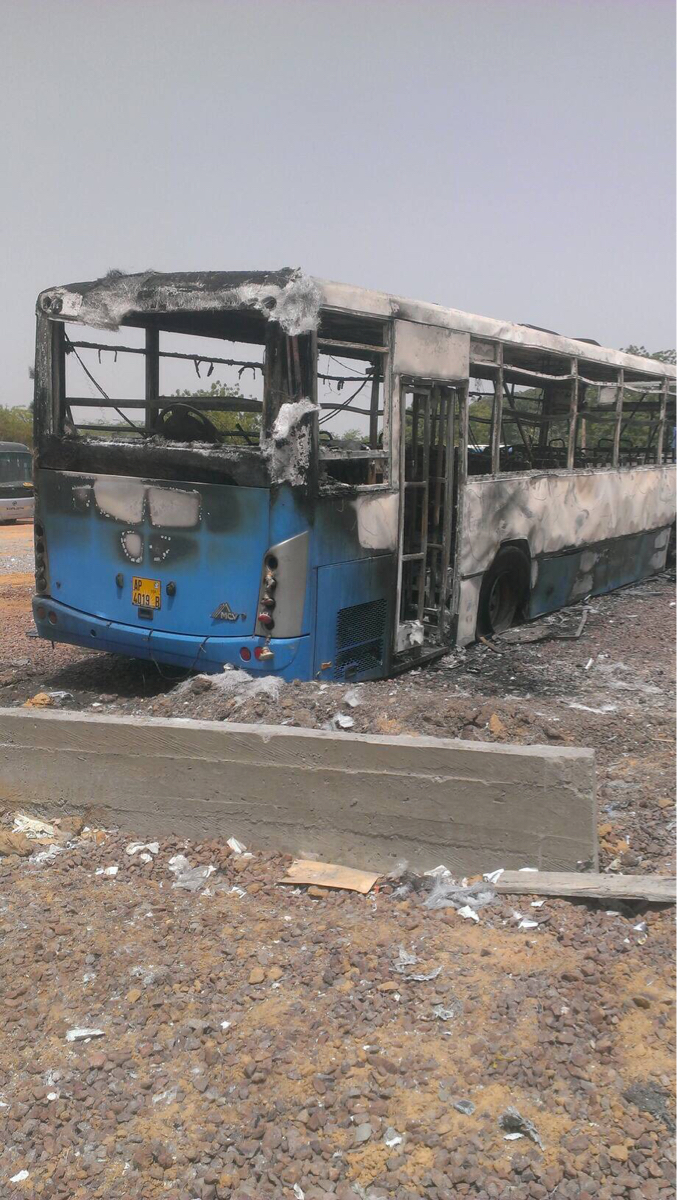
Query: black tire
{"points": [[504, 592]]}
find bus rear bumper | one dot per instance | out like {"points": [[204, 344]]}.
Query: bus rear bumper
{"points": [[20, 508], [58, 623]]}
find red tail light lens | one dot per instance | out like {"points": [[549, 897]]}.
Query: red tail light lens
{"points": [[245, 653]]}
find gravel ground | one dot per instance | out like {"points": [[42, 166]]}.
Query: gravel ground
{"points": [[258, 1041]]}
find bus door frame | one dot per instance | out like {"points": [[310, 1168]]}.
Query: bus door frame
{"points": [[429, 360]]}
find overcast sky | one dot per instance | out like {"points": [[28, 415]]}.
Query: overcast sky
{"points": [[509, 157]]}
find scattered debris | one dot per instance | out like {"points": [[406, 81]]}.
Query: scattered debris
{"points": [[425, 977], [19, 1177], [487, 643], [404, 960], [342, 721], [190, 878], [392, 1138], [651, 1099], [552, 627], [464, 1106], [83, 1035], [606, 708], [440, 872], [113, 870], [33, 827], [134, 847], [352, 698], [470, 914], [235, 846], [329, 875], [446, 1013], [447, 894], [47, 855], [515, 1125]]}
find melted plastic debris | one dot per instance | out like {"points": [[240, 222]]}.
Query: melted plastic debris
{"points": [[447, 894], [469, 913], [190, 878], [342, 721], [46, 855], [443, 1013], [404, 960], [515, 1125]]}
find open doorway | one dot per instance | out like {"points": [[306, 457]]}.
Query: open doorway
{"points": [[430, 431]]}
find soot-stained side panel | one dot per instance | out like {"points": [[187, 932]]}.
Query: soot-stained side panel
{"points": [[557, 512], [355, 526]]}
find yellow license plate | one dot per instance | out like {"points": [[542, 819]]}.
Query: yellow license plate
{"points": [[147, 593]]}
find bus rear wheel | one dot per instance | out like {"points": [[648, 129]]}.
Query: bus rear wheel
{"points": [[504, 591]]}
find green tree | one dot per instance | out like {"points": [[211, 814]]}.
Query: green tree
{"points": [[16, 425]]}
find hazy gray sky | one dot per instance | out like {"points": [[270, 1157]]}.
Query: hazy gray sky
{"points": [[508, 157]]}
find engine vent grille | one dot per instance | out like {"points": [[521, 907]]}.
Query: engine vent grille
{"points": [[360, 632]]}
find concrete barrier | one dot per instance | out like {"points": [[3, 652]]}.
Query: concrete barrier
{"points": [[360, 799]]}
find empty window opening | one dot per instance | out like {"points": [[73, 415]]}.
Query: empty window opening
{"points": [[352, 399]]}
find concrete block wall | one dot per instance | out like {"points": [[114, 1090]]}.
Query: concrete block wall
{"points": [[364, 800]]}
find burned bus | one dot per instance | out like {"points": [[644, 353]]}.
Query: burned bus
{"points": [[304, 478]]}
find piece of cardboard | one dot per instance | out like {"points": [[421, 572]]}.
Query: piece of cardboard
{"points": [[329, 875]]}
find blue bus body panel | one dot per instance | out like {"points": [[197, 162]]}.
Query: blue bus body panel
{"points": [[209, 654], [354, 618], [207, 542]]}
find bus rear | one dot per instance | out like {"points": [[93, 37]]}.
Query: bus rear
{"points": [[182, 524]]}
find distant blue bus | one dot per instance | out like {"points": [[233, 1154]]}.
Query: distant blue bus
{"points": [[371, 481], [16, 483]]}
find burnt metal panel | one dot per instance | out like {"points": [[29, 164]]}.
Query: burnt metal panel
{"points": [[430, 352]]}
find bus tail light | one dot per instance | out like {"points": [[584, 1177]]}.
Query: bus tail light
{"points": [[245, 653], [52, 618], [282, 589], [41, 582]]}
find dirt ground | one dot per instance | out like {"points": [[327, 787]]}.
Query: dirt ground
{"points": [[258, 1040]]}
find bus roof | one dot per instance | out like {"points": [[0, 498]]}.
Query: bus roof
{"points": [[294, 300], [5, 447]]}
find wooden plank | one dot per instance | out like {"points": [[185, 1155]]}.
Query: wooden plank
{"points": [[657, 889], [330, 875]]}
